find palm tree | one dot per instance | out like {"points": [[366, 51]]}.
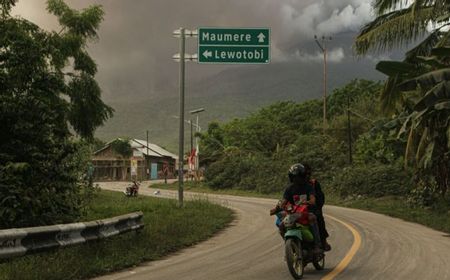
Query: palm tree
{"points": [[418, 88]]}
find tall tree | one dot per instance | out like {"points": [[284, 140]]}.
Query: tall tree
{"points": [[47, 90], [418, 87]]}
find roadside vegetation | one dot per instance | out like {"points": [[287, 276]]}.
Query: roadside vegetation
{"points": [[168, 228], [398, 206], [386, 145], [50, 106], [252, 155]]}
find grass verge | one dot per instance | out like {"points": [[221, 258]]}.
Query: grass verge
{"points": [[167, 229], [396, 206], [393, 206]]}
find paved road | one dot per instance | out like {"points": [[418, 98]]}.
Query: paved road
{"points": [[251, 249]]}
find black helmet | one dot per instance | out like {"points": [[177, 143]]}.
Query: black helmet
{"points": [[297, 170]]}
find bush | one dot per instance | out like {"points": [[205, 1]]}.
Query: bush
{"points": [[375, 180], [48, 97], [226, 173], [40, 192]]}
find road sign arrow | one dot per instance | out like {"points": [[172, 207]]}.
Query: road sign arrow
{"points": [[261, 38], [207, 54]]}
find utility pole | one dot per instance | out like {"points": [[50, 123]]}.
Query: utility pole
{"points": [[197, 127], [323, 48], [349, 131], [182, 33], [192, 136], [147, 163]]}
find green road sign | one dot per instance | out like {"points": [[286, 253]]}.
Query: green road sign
{"points": [[233, 45], [232, 54]]}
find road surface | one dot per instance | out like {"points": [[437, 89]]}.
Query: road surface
{"points": [[365, 246]]}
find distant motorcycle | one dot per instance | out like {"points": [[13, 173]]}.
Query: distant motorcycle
{"points": [[132, 190], [299, 240]]}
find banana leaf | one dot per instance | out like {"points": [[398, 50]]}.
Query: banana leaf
{"points": [[392, 68], [438, 94], [427, 80]]}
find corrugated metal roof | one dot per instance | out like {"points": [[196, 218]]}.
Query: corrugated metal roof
{"points": [[153, 149], [141, 145]]}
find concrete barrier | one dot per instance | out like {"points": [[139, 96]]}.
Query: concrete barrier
{"points": [[23, 241]]}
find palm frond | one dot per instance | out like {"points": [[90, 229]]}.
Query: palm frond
{"points": [[424, 48], [383, 6], [393, 29]]}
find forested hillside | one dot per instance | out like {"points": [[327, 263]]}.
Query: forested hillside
{"points": [[235, 92], [254, 153]]}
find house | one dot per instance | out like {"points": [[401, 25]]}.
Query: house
{"points": [[147, 162]]}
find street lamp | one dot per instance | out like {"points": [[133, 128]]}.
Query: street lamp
{"points": [[323, 47], [191, 124], [196, 112]]}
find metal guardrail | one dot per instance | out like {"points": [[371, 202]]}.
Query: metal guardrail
{"points": [[23, 241]]}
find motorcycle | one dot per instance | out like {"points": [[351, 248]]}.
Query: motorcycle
{"points": [[299, 240], [132, 190]]}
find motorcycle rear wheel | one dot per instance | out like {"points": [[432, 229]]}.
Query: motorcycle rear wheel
{"points": [[294, 258]]}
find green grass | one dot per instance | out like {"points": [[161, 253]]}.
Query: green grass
{"points": [[167, 229], [393, 206], [396, 206]]}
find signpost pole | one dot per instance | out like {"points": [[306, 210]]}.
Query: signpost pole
{"points": [[181, 137]]}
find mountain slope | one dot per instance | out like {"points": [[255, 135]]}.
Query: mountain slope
{"points": [[234, 92]]}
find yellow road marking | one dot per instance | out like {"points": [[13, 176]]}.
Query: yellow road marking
{"points": [[350, 254]]}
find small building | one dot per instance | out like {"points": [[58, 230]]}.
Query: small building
{"points": [[147, 162]]}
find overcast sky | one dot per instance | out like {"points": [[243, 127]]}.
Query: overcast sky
{"points": [[136, 44]]}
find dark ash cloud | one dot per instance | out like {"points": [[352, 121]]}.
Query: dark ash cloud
{"points": [[136, 44]]}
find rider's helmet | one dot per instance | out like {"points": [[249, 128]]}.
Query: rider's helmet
{"points": [[297, 170]]}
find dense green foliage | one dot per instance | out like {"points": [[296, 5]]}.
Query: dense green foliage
{"points": [[122, 147], [372, 180], [47, 90], [167, 228], [417, 89], [255, 153]]}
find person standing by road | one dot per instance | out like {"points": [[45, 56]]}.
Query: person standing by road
{"points": [[317, 208]]}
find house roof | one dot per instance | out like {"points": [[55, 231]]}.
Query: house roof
{"points": [[141, 146], [153, 149]]}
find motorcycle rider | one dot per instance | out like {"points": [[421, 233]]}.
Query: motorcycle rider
{"points": [[317, 209], [133, 189], [300, 187]]}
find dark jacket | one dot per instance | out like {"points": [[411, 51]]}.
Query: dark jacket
{"points": [[320, 196]]}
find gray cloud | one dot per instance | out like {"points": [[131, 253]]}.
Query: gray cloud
{"points": [[136, 44]]}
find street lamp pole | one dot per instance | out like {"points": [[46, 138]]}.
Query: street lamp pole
{"points": [[197, 111], [323, 48], [192, 144]]}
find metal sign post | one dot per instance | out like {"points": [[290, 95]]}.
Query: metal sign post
{"points": [[217, 46], [181, 57]]}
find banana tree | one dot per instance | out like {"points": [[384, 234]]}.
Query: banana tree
{"points": [[424, 89], [417, 87]]}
